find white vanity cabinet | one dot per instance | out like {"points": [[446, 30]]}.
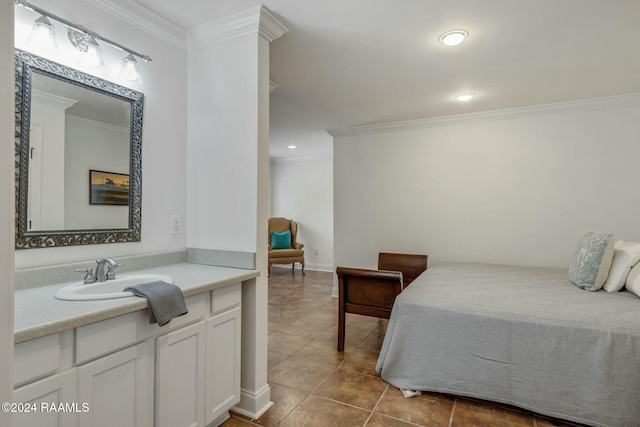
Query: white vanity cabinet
{"points": [[180, 366], [45, 366], [222, 385], [198, 367], [118, 389], [43, 399], [127, 372]]}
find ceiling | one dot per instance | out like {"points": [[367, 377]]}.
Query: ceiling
{"points": [[347, 63]]}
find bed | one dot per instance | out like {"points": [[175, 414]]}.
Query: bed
{"points": [[521, 336]]}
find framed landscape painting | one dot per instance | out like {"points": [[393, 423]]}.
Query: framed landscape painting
{"points": [[108, 188]]}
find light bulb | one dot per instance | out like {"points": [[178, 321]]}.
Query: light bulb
{"points": [[453, 37], [465, 97]]}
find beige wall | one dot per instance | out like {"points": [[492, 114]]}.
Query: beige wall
{"points": [[302, 189], [515, 187]]}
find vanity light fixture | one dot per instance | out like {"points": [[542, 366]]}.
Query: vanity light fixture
{"points": [[465, 97], [129, 71], [81, 38], [90, 53], [453, 37], [43, 35]]}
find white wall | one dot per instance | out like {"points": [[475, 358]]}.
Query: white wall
{"points": [[513, 187], [223, 128], [7, 206], [302, 189], [164, 128]]}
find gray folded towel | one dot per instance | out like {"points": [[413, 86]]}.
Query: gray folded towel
{"points": [[165, 300]]}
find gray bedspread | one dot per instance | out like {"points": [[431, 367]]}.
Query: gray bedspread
{"points": [[518, 335]]}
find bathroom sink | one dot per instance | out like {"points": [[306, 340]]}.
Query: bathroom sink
{"points": [[108, 289]]}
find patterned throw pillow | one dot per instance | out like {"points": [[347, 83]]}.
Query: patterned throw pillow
{"points": [[590, 265], [281, 240]]}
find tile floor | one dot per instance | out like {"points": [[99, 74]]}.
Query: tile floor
{"points": [[314, 385]]}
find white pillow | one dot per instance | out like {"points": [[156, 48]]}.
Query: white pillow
{"points": [[625, 256], [633, 280]]}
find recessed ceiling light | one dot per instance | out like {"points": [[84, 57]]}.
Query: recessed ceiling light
{"points": [[464, 97], [291, 146], [453, 37]]}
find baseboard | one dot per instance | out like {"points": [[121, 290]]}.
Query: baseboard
{"points": [[319, 267], [314, 267], [253, 405]]}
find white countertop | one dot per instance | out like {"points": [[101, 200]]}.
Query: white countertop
{"points": [[37, 313]]}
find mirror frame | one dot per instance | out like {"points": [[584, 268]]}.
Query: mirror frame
{"points": [[25, 64]]}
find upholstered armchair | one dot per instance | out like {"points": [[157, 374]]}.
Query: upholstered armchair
{"points": [[283, 245]]}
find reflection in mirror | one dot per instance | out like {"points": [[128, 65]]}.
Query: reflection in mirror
{"points": [[74, 130], [78, 146]]}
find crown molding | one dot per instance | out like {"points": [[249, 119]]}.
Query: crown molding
{"points": [[270, 27], [144, 18], [51, 100], [618, 101], [124, 130], [258, 19]]}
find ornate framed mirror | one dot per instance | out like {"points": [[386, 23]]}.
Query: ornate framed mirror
{"points": [[78, 157]]}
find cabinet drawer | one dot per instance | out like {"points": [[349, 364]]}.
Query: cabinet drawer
{"points": [[225, 298], [110, 335], [42, 356]]}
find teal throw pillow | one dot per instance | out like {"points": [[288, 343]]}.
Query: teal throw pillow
{"points": [[590, 265], [281, 240]]}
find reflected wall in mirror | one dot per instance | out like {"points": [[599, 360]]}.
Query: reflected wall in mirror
{"points": [[67, 124]]}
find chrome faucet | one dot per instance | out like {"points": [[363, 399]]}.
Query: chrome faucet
{"points": [[110, 274]]}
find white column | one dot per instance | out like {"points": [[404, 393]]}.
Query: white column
{"points": [[7, 211], [228, 167], [255, 390]]}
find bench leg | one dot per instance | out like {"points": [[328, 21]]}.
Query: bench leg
{"points": [[341, 316], [341, 331]]}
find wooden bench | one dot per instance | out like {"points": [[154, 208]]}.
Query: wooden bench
{"points": [[372, 292]]}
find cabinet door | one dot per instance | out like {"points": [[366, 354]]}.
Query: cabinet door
{"points": [[118, 388], [47, 394], [223, 364], [180, 377]]}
